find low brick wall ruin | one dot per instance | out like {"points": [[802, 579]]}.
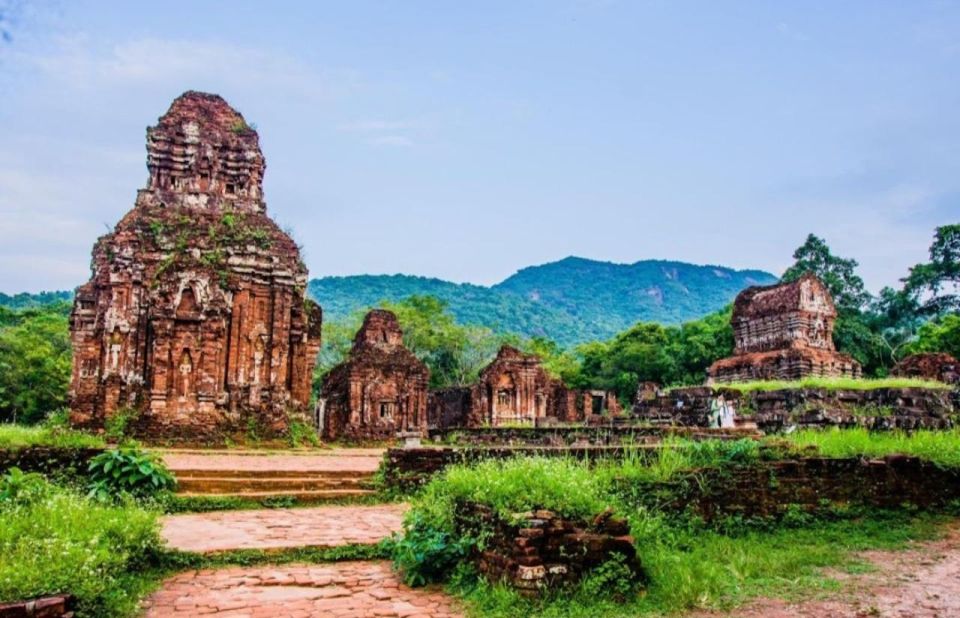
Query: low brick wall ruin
{"points": [[406, 468], [60, 606], [543, 550], [580, 435], [879, 408], [770, 489]]}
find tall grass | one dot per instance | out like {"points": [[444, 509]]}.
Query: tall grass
{"points": [[689, 564], [941, 447], [833, 384], [56, 541], [20, 436]]}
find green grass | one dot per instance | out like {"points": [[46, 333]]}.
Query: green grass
{"points": [[206, 504], [696, 568], [832, 384], [940, 447], [53, 541], [21, 436], [689, 564], [173, 561]]}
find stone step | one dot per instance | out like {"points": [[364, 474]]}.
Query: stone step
{"points": [[269, 474], [221, 485], [304, 496]]}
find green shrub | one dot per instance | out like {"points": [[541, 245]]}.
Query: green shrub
{"points": [[128, 471], [117, 425], [53, 541], [20, 487], [426, 554]]}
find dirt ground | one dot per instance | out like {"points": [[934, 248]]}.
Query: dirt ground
{"points": [[923, 582]]}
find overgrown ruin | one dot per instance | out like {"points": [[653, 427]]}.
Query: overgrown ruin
{"points": [[195, 320], [784, 332], [380, 390], [940, 367], [515, 389]]}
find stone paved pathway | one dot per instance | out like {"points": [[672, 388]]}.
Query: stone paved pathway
{"points": [[325, 526], [335, 460], [340, 590]]}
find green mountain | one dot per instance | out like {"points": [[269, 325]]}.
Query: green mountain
{"points": [[570, 301]]}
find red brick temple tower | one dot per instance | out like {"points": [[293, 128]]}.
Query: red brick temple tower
{"points": [[195, 319]]}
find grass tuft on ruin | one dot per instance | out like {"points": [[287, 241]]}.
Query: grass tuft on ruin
{"points": [[831, 384]]}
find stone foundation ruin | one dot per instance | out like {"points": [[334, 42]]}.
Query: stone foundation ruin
{"points": [[195, 319], [784, 332], [380, 390]]}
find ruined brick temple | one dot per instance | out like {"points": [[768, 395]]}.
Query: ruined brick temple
{"points": [[195, 315], [380, 390], [784, 332], [515, 389]]}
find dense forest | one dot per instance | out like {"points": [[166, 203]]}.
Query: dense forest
{"points": [[922, 315]]}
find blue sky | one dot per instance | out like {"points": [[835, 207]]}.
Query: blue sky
{"points": [[466, 140]]}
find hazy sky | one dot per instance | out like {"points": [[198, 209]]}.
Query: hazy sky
{"points": [[465, 140]]}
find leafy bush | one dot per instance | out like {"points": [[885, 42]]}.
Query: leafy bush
{"points": [[612, 579], [17, 486], [426, 554], [53, 541], [128, 471], [117, 425]]}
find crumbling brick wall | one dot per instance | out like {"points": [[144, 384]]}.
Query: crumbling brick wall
{"points": [[929, 366], [878, 408], [543, 551]]}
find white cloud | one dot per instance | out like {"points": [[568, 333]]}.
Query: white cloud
{"points": [[152, 61]]}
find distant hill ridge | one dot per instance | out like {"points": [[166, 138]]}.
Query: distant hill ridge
{"points": [[570, 301]]}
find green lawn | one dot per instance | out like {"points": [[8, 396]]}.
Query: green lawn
{"points": [[22, 436]]}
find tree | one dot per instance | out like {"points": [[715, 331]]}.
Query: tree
{"points": [[35, 359], [937, 283], [837, 273], [942, 335]]}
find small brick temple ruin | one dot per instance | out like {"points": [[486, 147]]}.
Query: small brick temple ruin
{"points": [[380, 390], [784, 332], [515, 389], [936, 366], [195, 315]]}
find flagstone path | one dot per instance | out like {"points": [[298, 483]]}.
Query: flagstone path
{"points": [[339, 590], [325, 526]]}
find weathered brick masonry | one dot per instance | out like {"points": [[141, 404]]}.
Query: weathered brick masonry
{"points": [[195, 315], [770, 489], [543, 550], [784, 332], [879, 408], [380, 390]]}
